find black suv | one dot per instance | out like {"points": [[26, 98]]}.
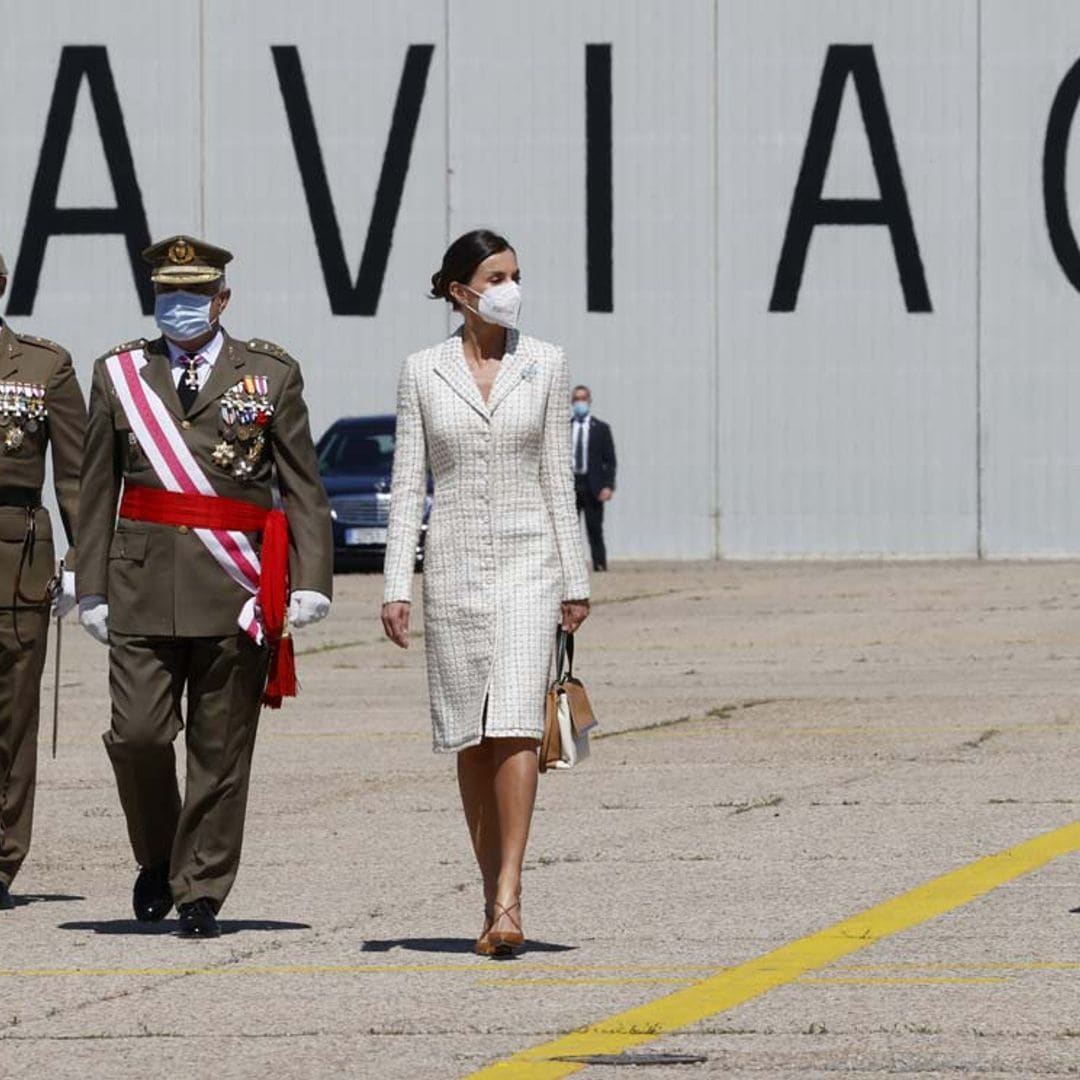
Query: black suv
{"points": [[356, 456]]}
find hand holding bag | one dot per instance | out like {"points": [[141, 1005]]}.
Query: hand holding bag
{"points": [[568, 714]]}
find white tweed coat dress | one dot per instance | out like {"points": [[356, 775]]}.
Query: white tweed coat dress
{"points": [[503, 548]]}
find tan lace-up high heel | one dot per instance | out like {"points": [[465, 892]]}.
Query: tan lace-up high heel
{"points": [[505, 942], [483, 947]]}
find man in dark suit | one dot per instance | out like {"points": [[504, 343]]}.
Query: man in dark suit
{"points": [[594, 470]]}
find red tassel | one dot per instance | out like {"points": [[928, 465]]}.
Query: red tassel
{"points": [[281, 682]]}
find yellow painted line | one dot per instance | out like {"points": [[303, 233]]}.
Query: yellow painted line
{"points": [[475, 968], [947, 965], [229, 969], [613, 980], [903, 980], [784, 965]]}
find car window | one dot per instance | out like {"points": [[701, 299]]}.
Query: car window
{"points": [[353, 450]]}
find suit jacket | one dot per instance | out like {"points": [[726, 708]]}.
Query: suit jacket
{"points": [[42, 364], [160, 580], [601, 463]]}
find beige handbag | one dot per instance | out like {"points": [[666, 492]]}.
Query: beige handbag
{"points": [[568, 715]]}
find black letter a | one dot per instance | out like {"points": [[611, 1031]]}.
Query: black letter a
{"points": [[363, 297], [809, 209], [44, 218]]}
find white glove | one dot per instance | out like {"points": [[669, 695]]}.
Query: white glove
{"points": [[307, 606], [94, 617], [65, 600]]}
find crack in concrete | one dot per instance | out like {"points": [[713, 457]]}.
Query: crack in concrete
{"points": [[718, 712], [980, 739]]}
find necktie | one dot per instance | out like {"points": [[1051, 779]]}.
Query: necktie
{"points": [[579, 448], [188, 389]]}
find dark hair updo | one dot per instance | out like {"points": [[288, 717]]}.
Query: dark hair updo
{"points": [[462, 258]]}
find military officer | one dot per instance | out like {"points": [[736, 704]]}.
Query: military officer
{"points": [[183, 567], [40, 406]]}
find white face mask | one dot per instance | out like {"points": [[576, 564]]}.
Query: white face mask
{"points": [[500, 305]]}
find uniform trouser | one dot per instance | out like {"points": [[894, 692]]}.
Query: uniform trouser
{"points": [[593, 509], [199, 836], [23, 636]]}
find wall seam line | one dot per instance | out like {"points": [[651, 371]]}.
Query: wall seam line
{"points": [[446, 142], [717, 514], [202, 117], [980, 542]]}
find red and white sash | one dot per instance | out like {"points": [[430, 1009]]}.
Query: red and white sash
{"points": [[178, 471]]}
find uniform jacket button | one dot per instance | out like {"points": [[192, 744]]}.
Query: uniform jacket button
{"points": [[185, 424], [182, 528]]}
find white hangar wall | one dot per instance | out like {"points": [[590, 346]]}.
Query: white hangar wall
{"points": [[803, 350]]}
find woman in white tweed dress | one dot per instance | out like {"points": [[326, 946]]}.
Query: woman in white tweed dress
{"points": [[487, 411]]}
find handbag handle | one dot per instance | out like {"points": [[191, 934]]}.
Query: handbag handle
{"points": [[565, 654]]}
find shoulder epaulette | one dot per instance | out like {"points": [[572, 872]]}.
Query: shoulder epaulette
{"points": [[268, 348], [138, 343], [124, 346], [44, 343]]}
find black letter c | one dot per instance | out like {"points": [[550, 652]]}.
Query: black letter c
{"points": [[1055, 197]]}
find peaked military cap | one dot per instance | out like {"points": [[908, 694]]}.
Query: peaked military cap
{"points": [[183, 260]]}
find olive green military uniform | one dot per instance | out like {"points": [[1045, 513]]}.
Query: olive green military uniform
{"points": [[40, 406], [173, 609]]}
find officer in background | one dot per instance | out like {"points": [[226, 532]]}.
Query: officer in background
{"points": [[40, 406], [186, 438], [594, 470]]}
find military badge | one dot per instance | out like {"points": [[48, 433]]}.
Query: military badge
{"points": [[224, 454], [22, 412], [245, 412], [181, 253], [190, 376]]}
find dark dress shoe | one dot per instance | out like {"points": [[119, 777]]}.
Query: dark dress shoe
{"points": [[6, 903], [197, 920], [152, 898]]}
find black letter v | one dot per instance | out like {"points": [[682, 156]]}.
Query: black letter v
{"points": [[363, 297]]}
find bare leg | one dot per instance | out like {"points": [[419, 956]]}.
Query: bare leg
{"points": [[476, 784], [515, 774]]}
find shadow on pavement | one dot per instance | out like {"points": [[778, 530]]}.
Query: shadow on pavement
{"points": [[168, 926], [452, 945], [22, 899]]}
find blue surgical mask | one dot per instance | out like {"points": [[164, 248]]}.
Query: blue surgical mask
{"points": [[183, 315], [581, 409]]}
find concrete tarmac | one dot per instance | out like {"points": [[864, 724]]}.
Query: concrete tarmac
{"points": [[783, 746]]}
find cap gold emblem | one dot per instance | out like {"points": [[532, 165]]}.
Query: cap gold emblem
{"points": [[181, 253]]}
